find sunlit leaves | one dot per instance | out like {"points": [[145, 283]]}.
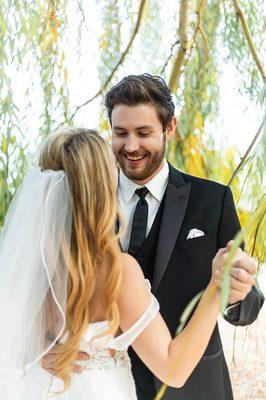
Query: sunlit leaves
{"points": [[236, 45], [192, 149], [110, 40], [37, 48], [199, 93]]}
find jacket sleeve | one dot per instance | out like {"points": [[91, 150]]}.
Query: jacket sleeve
{"points": [[246, 311]]}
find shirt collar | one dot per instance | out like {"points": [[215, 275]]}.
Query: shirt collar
{"points": [[126, 186], [156, 185]]}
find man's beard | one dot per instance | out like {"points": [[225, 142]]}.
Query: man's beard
{"points": [[153, 164]]}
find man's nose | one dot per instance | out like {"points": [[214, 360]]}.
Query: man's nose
{"points": [[131, 144]]}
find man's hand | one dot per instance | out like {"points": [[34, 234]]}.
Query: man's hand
{"points": [[242, 274], [49, 361]]}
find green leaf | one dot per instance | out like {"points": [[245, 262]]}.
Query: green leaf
{"points": [[188, 311], [260, 168], [227, 268]]}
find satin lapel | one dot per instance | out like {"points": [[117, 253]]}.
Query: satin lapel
{"points": [[176, 200]]}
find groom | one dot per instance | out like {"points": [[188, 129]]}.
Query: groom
{"points": [[174, 225]]}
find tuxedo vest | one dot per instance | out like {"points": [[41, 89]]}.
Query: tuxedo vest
{"points": [[146, 257], [147, 252]]}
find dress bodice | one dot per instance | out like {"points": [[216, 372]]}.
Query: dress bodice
{"points": [[98, 348], [105, 376]]}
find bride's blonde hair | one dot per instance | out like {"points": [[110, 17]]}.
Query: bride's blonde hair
{"points": [[95, 254]]}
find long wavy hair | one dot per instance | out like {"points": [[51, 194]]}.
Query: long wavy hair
{"points": [[94, 276]]}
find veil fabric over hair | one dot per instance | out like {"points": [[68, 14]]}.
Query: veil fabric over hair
{"points": [[34, 256]]}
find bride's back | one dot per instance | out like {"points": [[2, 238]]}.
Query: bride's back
{"points": [[94, 273], [98, 302]]}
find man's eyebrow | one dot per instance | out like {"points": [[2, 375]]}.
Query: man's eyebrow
{"points": [[143, 127], [119, 128], [136, 129]]}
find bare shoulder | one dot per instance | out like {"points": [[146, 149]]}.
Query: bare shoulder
{"points": [[131, 268]]}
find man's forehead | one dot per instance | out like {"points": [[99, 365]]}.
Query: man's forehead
{"points": [[140, 116]]}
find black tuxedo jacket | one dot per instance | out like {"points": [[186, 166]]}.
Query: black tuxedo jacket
{"points": [[182, 268]]}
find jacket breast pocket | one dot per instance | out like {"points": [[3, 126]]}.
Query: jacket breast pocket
{"points": [[197, 241]]}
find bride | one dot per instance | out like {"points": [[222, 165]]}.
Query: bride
{"points": [[63, 279]]}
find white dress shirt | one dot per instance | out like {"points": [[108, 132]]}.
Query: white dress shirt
{"points": [[128, 200]]}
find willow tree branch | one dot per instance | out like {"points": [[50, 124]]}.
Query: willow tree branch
{"points": [[247, 34], [169, 57], [184, 44], [244, 184], [243, 159], [199, 28], [256, 235], [180, 62], [120, 61]]}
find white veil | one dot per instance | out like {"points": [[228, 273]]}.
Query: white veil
{"points": [[34, 254]]}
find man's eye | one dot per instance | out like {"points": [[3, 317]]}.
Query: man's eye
{"points": [[144, 133], [120, 133]]}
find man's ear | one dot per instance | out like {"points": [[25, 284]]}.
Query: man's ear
{"points": [[170, 129]]}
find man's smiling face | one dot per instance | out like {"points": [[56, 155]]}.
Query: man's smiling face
{"points": [[138, 140]]}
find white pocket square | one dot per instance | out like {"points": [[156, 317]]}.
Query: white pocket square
{"points": [[193, 233]]}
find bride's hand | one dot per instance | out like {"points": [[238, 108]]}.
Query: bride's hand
{"points": [[49, 361]]}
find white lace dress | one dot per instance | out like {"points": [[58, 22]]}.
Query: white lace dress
{"points": [[105, 377]]}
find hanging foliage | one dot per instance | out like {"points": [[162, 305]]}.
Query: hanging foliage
{"points": [[200, 35], [44, 67]]}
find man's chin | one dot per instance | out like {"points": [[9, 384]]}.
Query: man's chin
{"points": [[141, 173], [135, 175]]}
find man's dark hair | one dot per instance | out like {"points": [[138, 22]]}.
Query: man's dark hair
{"points": [[137, 89]]}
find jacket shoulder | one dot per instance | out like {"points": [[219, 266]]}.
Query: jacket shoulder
{"points": [[200, 187], [204, 183]]}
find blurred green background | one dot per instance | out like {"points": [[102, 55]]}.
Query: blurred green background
{"points": [[58, 58]]}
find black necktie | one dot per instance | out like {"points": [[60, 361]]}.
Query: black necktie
{"points": [[139, 224]]}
